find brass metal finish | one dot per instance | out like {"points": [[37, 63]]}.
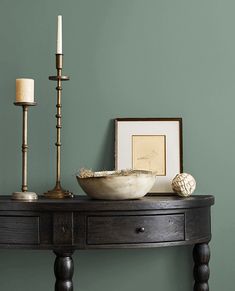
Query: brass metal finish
{"points": [[25, 103], [24, 195], [62, 78], [24, 149], [59, 62], [58, 192]]}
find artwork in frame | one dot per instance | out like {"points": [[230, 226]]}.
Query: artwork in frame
{"points": [[153, 144]]}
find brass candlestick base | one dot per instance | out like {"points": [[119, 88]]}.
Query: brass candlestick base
{"points": [[58, 192], [24, 194]]}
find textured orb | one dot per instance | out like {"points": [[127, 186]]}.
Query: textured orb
{"points": [[183, 184]]}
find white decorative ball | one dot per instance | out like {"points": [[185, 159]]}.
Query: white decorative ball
{"points": [[183, 184]]}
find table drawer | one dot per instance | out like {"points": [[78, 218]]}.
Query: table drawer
{"points": [[19, 230], [134, 229]]}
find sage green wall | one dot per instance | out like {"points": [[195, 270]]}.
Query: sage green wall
{"points": [[126, 58]]}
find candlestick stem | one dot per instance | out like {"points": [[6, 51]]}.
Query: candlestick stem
{"points": [[58, 192], [24, 187], [58, 126], [24, 195]]}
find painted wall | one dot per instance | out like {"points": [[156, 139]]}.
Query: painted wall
{"points": [[126, 58]]}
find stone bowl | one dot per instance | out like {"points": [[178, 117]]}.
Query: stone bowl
{"points": [[110, 185]]}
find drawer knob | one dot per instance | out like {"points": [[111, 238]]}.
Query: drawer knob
{"points": [[140, 229]]}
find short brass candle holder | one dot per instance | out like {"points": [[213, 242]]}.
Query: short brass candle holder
{"points": [[24, 194], [58, 192]]}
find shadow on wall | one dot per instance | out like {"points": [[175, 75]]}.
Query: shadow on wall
{"points": [[105, 159]]}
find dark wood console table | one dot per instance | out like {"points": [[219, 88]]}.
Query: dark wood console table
{"points": [[80, 223]]}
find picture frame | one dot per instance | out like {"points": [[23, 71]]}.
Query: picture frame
{"points": [[154, 144]]}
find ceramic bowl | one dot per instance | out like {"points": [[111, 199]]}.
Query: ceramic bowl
{"points": [[110, 185]]}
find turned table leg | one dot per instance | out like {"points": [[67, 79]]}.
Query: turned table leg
{"points": [[63, 269], [201, 256]]}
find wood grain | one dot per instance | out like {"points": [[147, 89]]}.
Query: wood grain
{"points": [[81, 223]]}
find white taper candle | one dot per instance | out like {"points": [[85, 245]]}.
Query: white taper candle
{"points": [[59, 35]]}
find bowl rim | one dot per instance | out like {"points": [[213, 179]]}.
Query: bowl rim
{"points": [[116, 174]]}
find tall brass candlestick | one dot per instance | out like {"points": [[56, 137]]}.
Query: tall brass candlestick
{"points": [[24, 195], [58, 192]]}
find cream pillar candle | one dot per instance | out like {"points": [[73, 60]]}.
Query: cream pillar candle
{"points": [[59, 35], [24, 90]]}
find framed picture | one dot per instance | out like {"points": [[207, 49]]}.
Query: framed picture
{"points": [[153, 144]]}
